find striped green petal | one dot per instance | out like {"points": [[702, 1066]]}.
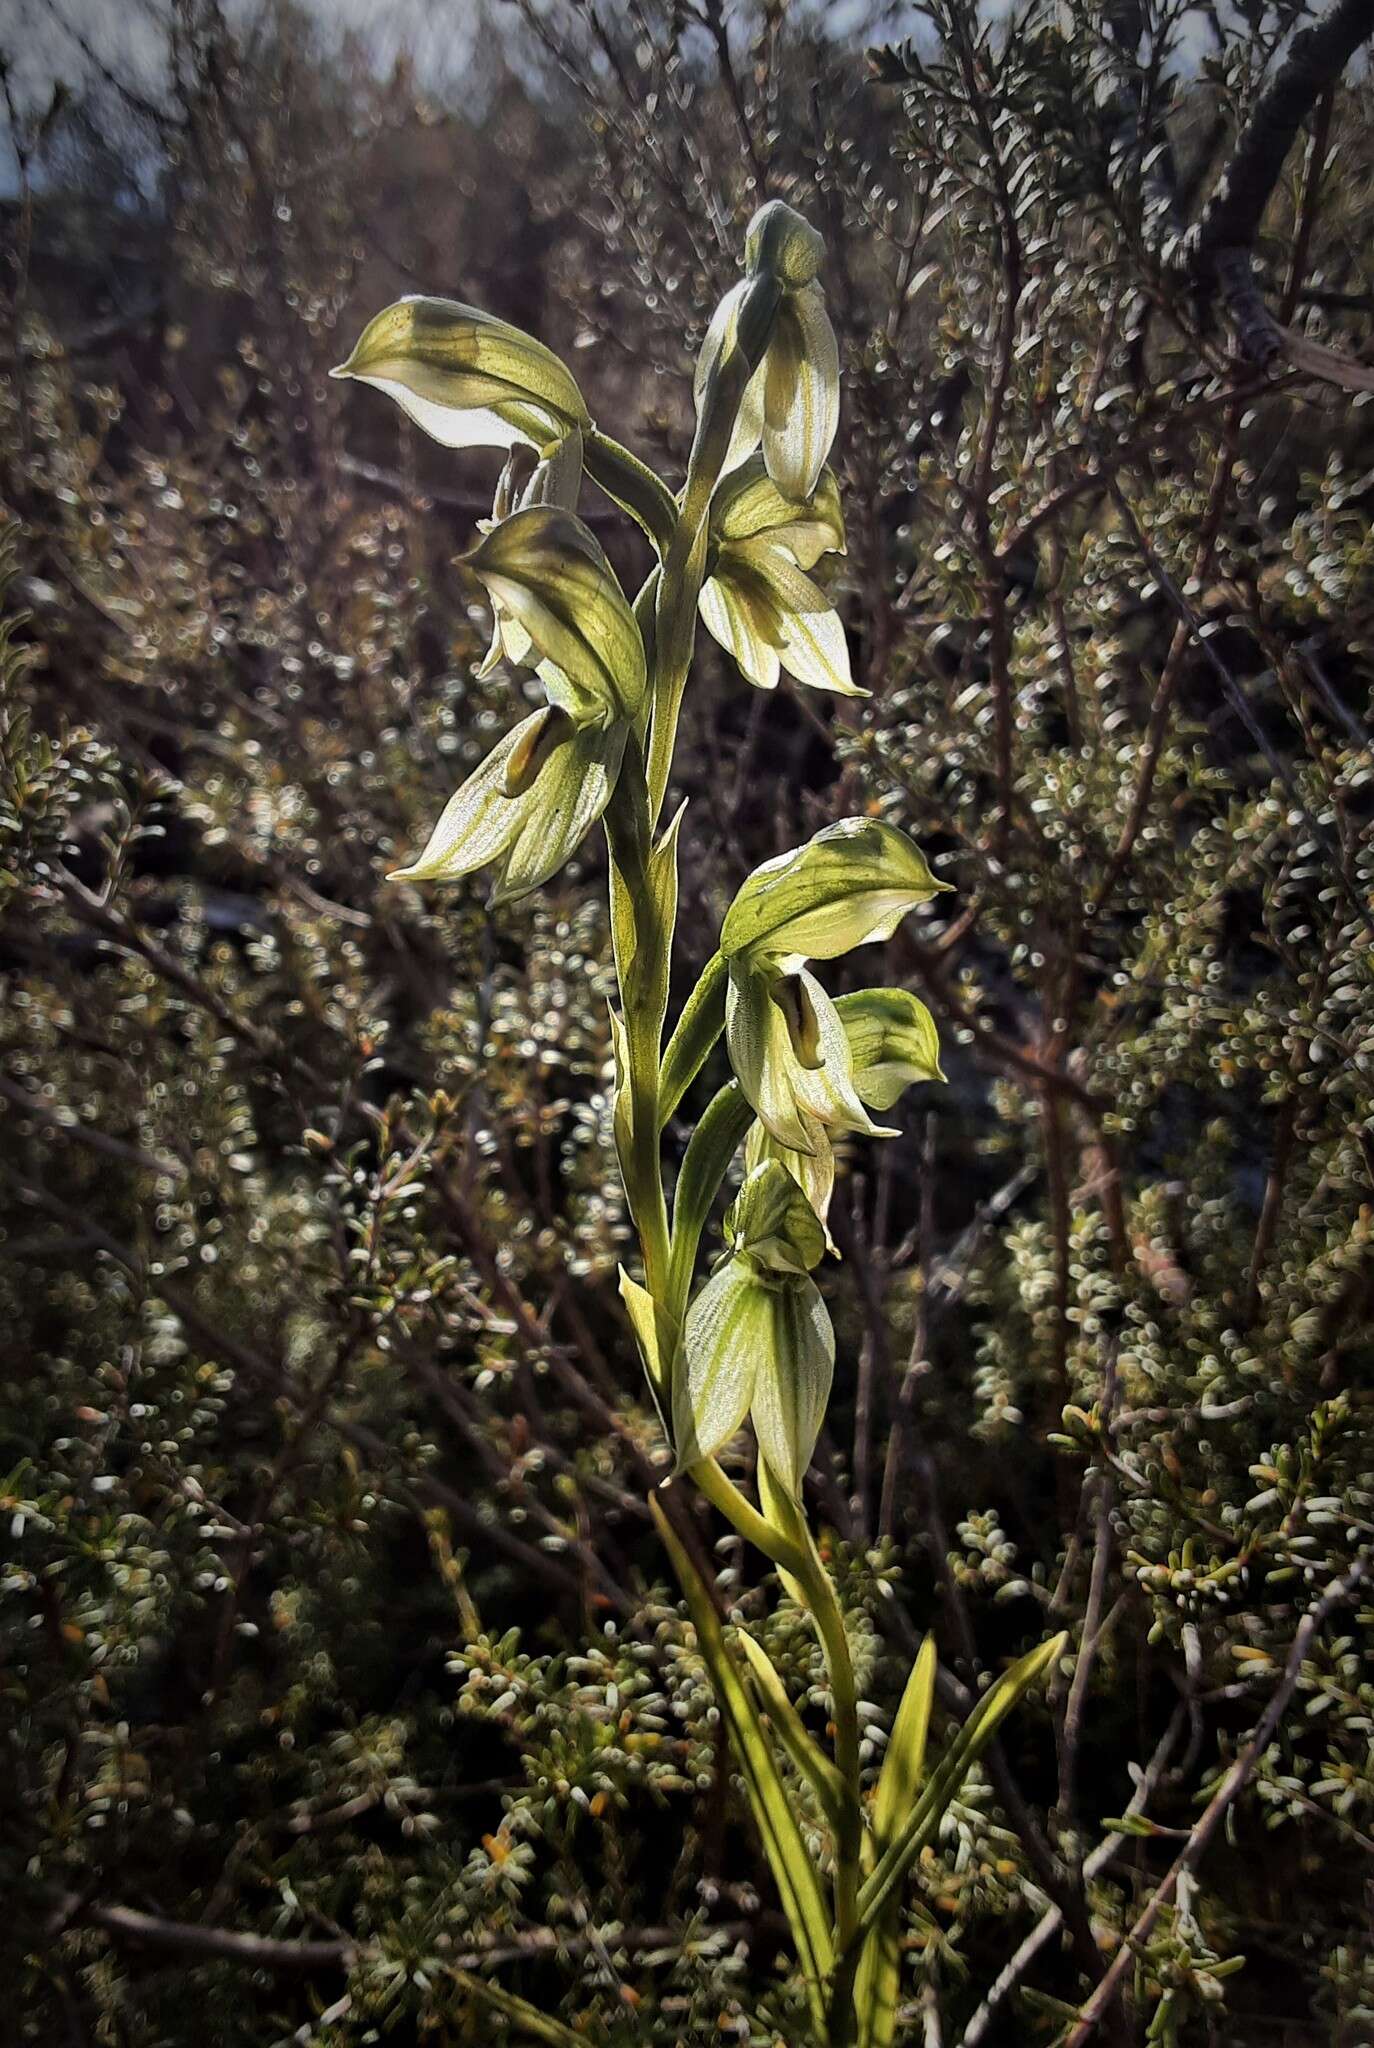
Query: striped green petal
{"points": [[545, 570], [528, 806], [851, 883], [792, 1384], [729, 1327], [813, 1171], [801, 393], [749, 506], [791, 1058], [771, 1221], [893, 1042], [467, 378]]}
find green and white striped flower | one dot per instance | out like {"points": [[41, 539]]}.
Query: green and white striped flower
{"points": [[536, 796], [892, 1044], [797, 1055], [791, 404], [758, 601], [758, 1338], [469, 379], [528, 479]]}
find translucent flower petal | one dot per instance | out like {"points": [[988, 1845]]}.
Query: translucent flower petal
{"points": [[749, 506], [545, 570], [771, 1221], [807, 630], [533, 832], [729, 1326], [748, 428], [441, 360], [792, 1384], [851, 883], [727, 617], [813, 1171], [801, 393], [893, 1042], [791, 1094]]}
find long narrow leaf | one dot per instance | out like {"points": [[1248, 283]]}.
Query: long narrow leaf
{"points": [[526, 2018], [807, 1754], [793, 1871], [973, 1738], [904, 1763], [713, 1145], [694, 1034], [877, 1984]]}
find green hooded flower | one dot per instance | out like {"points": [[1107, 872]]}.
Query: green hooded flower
{"points": [[892, 1044], [536, 796], [757, 600], [792, 401], [792, 1048], [758, 1339], [528, 479], [469, 379]]}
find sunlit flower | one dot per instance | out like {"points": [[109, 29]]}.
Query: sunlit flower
{"points": [[796, 1055], [792, 401], [535, 797], [757, 600], [469, 379], [758, 1339]]}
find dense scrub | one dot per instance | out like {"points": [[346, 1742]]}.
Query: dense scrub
{"points": [[336, 1640]]}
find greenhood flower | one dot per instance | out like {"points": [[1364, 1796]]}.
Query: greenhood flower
{"points": [[529, 479], [550, 584], [539, 792], [758, 1339], [757, 601], [892, 1043], [469, 379], [852, 883], [792, 401], [797, 1055]]}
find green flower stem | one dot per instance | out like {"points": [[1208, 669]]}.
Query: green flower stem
{"points": [[642, 958], [788, 1542], [633, 486], [745, 1518], [684, 565], [824, 1607]]}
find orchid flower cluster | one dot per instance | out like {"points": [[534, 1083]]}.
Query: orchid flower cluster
{"points": [[736, 548]]}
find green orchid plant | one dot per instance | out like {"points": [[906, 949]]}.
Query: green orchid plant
{"points": [[735, 547]]}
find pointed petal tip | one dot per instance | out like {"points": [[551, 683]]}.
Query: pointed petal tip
{"points": [[341, 369]]}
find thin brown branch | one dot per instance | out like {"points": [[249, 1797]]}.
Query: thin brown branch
{"points": [[1234, 1782]]}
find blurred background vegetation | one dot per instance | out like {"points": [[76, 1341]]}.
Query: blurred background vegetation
{"points": [[338, 1661]]}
